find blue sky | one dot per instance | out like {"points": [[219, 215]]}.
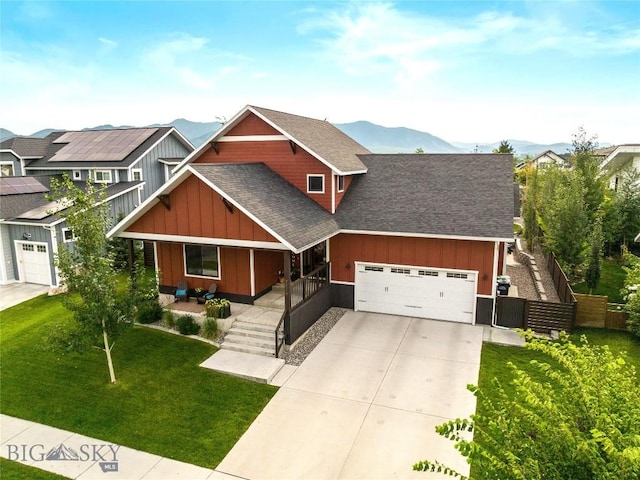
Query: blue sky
{"points": [[475, 71]]}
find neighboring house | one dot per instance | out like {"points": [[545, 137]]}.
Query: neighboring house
{"points": [[623, 157], [409, 234], [548, 158], [31, 227], [132, 163], [106, 156]]}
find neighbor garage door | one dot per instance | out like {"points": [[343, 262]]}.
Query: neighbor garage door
{"points": [[416, 292], [34, 266]]}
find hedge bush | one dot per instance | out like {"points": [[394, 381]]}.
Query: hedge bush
{"points": [[187, 325], [149, 312]]}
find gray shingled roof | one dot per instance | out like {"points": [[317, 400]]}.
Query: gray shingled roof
{"points": [[26, 146], [327, 141], [287, 211], [52, 148], [466, 195], [13, 206]]}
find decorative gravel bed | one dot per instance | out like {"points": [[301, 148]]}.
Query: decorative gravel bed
{"points": [[521, 278], [547, 281], [313, 336]]}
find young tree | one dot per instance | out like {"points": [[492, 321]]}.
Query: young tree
{"points": [[504, 147], [632, 292], [587, 165], [530, 210], [581, 422], [566, 224], [101, 307], [419, 150], [592, 275], [623, 209]]}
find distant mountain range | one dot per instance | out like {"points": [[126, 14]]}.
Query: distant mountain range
{"points": [[376, 138]]}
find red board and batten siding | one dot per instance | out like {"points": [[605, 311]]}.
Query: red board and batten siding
{"points": [[276, 154], [252, 125], [345, 249], [234, 269], [197, 211]]}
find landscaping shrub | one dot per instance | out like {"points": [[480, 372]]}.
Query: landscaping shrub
{"points": [[210, 328], [169, 319], [187, 325], [149, 312]]}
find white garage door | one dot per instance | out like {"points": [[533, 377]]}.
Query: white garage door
{"points": [[416, 292], [33, 262]]}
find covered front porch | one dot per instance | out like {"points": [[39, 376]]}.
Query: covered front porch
{"points": [[264, 286]]}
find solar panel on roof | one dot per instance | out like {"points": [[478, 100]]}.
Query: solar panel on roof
{"points": [[41, 212], [18, 185], [100, 145]]}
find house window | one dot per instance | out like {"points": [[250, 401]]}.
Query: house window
{"points": [[68, 236], [315, 183], [202, 261], [102, 176], [77, 175], [136, 175], [6, 170], [340, 183]]}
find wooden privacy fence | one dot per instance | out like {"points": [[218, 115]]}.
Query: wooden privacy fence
{"points": [[595, 311], [560, 280], [541, 316]]}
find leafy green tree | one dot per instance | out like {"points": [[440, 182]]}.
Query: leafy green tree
{"points": [[566, 224], [594, 266], [581, 422], [587, 165], [419, 150], [622, 211], [102, 307], [632, 292], [530, 210], [504, 147]]}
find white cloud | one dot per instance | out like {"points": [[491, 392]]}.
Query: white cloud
{"points": [[368, 39], [107, 44]]}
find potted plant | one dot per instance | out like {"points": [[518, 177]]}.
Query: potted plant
{"points": [[218, 308], [199, 292]]}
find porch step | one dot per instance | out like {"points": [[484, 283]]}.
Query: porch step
{"points": [[241, 347], [254, 327], [256, 334], [250, 338], [234, 337]]}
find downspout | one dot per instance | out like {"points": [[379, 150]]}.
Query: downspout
{"points": [[496, 246], [54, 250]]}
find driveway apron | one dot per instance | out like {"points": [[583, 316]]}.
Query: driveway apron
{"points": [[365, 403]]}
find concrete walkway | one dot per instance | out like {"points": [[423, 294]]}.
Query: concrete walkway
{"points": [[365, 403], [15, 293], [76, 456]]}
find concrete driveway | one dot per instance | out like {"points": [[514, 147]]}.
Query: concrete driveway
{"points": [[365, 403], [15, 293]]}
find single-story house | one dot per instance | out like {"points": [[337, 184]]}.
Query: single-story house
{"points": [[273, 193]]}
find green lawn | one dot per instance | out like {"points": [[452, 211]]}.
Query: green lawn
{"points": [[17, 471], [611, 282], [495, 357], [163, 402]]}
